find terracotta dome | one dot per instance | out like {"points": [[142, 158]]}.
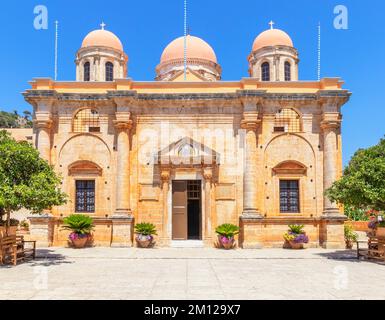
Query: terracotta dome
{"points": [[272, 37], [102, 38], [196, 49]]}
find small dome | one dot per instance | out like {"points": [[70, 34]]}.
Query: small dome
{"points": [[272, 37], [196, 49], [102, 38]]}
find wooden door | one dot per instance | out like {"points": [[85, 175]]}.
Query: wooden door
{"points": [[179, 210]]}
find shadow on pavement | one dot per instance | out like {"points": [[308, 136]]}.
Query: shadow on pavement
{"points": [[46, 257], [348, 255]]}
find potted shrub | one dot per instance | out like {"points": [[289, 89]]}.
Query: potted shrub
{"points": [[296, 236], [350, 236], [226, 233], [23, 226], [145, 234], [81, 226]]}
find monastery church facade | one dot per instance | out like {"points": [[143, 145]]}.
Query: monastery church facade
{"points": [[188, 151]]}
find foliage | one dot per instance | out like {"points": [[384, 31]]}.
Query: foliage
{"points": [[145, 229], [227, 230], [26, 180], [13, 223], [296, 234], [363, 182], [350, 234], [79, 224], [381, 224], [24, 224], [296, 229], [14, 120], [355, 214]]}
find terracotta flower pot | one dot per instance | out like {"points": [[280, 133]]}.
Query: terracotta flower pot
{"points": [[80, 242], [143, 241], [380, 232], [227, 244], [295, 245]]}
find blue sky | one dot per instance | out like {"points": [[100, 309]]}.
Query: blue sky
{"points": [[146, 27]]}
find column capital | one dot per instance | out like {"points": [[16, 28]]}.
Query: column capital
{"points": [[43, 124], [165, 175], [207, 173], [250, 123], [123, 121], [330, 124], [123, 124]]}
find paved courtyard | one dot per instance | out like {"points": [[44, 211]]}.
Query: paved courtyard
{"points": [[106, 273]]}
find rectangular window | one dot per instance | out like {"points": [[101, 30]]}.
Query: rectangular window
{"points": [[289, 196], [85, 196]]}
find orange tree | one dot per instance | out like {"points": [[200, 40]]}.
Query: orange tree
{"points": [[362, 185], [26, 180]]}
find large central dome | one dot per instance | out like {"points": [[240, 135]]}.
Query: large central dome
{"points": [[196, 49]]}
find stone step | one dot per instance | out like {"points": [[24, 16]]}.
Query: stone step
{"points": [[187, 244]]}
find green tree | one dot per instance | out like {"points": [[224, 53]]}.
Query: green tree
{"points": [[8, 120], [362, 185], [28, 119], [26, 180]]}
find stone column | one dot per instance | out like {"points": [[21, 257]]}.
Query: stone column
{"points": [[330, 166], [43, 141], [208, 176], [250, 201], [332, 222], [165, 177], [123, 206]]}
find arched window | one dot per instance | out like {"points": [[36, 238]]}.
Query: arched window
{"points": [[265, 70], [287, 120], [86, 120], [87, 67], [287, 71], [109, 71]]}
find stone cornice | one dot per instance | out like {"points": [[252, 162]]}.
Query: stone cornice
{"points": [[337, 97], [291, 96], [334, 97]]}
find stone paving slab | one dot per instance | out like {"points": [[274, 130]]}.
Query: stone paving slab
{"points": [[110, 273]]}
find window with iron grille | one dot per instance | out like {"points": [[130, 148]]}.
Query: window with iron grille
{"points": [[289, 196], [109, 71], [86, 120], [265, 71], [194, 189], [287, 120], [287, 71], [85, 196], [87, 71]]}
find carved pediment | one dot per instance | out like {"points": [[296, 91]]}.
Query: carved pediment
{"points": [[290, 167], [187, 152], [84, 167]]}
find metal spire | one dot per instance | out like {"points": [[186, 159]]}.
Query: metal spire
{"points": [[56, 46], [319, 52], [185, 40]]}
